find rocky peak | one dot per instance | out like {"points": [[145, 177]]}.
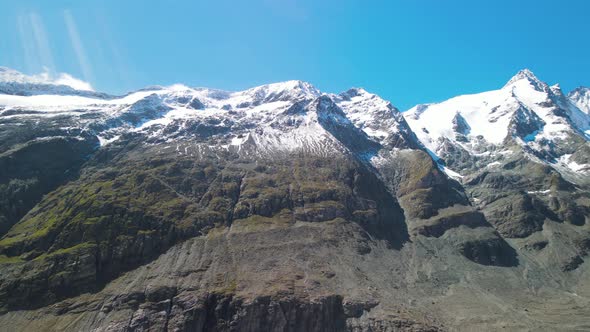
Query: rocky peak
{"points": [[581, 98], [377, 117], [324, 105], [353, 92], [579, 92], [282, 91], [527, 77], [556, 89]]}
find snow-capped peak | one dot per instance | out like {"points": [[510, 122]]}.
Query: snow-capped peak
{"points": [[377, 117], [524, 74], [526, 111], [526, 77], [283, 115], [581, 98], [281, 91], [179, 88], [355, 92], [556, 88]]}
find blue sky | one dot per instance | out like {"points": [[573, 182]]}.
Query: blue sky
{"points": [[408, 51]]}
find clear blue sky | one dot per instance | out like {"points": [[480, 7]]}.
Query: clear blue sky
{"points": [[408, 51]]}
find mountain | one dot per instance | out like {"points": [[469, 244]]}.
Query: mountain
{"points": [[524, 147], [526, 113], [283, 208], [581, 98]]}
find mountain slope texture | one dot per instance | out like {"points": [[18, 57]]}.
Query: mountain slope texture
{"points": [[283, 208]]}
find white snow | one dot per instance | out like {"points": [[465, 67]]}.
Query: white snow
{"points": [[477, 110], [581, 98], [46, 101], [539, 192], [572, 165], [367, 111], [59, 102], [257, 117], [106, 141], [451, 173], [69, 80], [489, 115], [238, 140], [13, 76], [256, 110]]}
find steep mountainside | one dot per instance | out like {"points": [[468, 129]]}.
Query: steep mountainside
{"points": [[282, 208]]}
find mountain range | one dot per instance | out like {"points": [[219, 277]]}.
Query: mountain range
{"points": [[283, 208]]}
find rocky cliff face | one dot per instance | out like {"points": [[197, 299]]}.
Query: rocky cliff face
{"points": [[281, 208]]}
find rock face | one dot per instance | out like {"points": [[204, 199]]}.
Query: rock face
{"points": [[281, 208]]}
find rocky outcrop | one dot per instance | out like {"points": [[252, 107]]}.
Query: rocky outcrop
{"points": [[447, 219], [490, 251], [460, 127]]}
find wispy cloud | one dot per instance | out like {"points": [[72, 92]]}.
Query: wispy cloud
{"points": [[35, 43], [41, 41], [27, 43], [76, 42], [38, 55]]}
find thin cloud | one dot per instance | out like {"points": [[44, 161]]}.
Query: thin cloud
{"points": [[41, 41], [27, 43], [76, 42]]}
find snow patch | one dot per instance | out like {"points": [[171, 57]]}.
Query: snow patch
{"points": [[572, 165], [539, 192], [106, 141], [451, 173]]}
